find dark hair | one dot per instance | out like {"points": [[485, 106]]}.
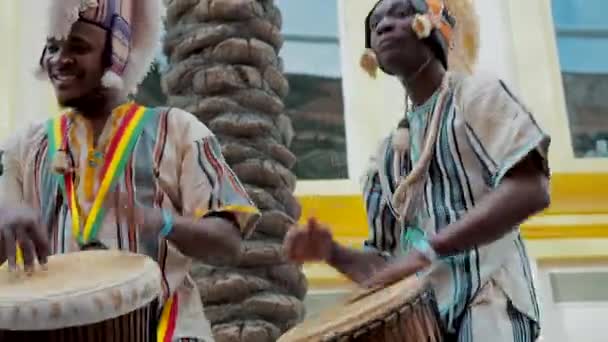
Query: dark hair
{"points": [[437, 45]]}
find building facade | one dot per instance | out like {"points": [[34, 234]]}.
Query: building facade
{"points": [[552, 52]]}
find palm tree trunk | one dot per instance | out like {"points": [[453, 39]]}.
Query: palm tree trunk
{"points": [[225, 68]]}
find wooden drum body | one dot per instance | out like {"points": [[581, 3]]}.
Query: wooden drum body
{"points": [[403, 312], [90, 296]]}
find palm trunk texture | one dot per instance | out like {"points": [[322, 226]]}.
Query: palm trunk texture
{"points": [[225, 68]]}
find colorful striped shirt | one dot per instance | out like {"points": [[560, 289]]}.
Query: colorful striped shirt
{"points": [[176, 164], [483, 133]]}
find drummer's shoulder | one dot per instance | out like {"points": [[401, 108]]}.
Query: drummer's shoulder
{"points": [[185, 124], [31, 134], [469, 87]]}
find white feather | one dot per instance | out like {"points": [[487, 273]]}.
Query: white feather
{"points": [[146, 34]]}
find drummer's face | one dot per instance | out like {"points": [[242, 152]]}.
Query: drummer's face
{"points": [[398, 49], [75, 65]]}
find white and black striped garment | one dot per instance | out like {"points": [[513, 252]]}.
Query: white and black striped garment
{"points": [[484, 132]]}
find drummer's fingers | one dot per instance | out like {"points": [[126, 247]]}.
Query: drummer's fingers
{"points": [[41, 244], [2, 249], [296, 244], [313, 224], [27, 249], [10, 248], [290, 241], [315, 227]]}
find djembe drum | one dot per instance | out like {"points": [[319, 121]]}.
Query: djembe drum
{"points": [[403, 312], [90, 296]]}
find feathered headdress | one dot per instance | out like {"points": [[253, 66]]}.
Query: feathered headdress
{"points": [[135, 32]]}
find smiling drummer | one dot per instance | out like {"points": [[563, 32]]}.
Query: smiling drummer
{"points": [[68, 183], [450, 187]]}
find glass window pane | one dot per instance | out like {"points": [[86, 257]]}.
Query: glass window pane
{"points": [[582, 39], [311, 56]]}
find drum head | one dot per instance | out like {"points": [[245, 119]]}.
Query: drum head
{"points": [[354, 312], [77, 289]]}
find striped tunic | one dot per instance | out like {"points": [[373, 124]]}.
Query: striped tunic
{"points": [[176, 164], [483, 133]]}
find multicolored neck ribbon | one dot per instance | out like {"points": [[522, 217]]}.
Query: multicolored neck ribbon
{"points": [[118, 153]]}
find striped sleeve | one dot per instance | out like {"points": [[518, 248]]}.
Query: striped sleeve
{"points": [[383, 235], [500, 129], [11, 171], [209, 187]]}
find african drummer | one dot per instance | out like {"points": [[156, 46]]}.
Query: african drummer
{"points": [[450, 186], [66, 182]]}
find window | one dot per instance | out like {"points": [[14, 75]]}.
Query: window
{"points": [[311, 54], [582, 39]]}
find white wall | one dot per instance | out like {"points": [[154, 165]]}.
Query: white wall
{"points": [[29, 98], [572, 321]]}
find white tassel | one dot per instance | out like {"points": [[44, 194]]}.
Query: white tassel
{"points": [[111, 80], [401, 140]]}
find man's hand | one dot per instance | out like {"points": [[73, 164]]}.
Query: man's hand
{"points": [[22, 226], [311, 243], [398, 270]]}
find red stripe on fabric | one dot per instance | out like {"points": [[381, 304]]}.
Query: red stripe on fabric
{"points": [[161, 140], [214, 162], [172, 319], [217, 165], [235, 184], [63, 124], [130, 198], [116, 139]]}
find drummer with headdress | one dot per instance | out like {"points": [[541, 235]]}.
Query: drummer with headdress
{"points": [[110, 173], [445, 193]]}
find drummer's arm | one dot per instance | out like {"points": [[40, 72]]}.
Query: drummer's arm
{"points": [[357, 265], [11, 189], [211, 193], [512, 149], [522, 193], [211, 238]]}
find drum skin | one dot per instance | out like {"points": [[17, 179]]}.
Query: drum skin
{"points": [[403, 312], [95, 295]]}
